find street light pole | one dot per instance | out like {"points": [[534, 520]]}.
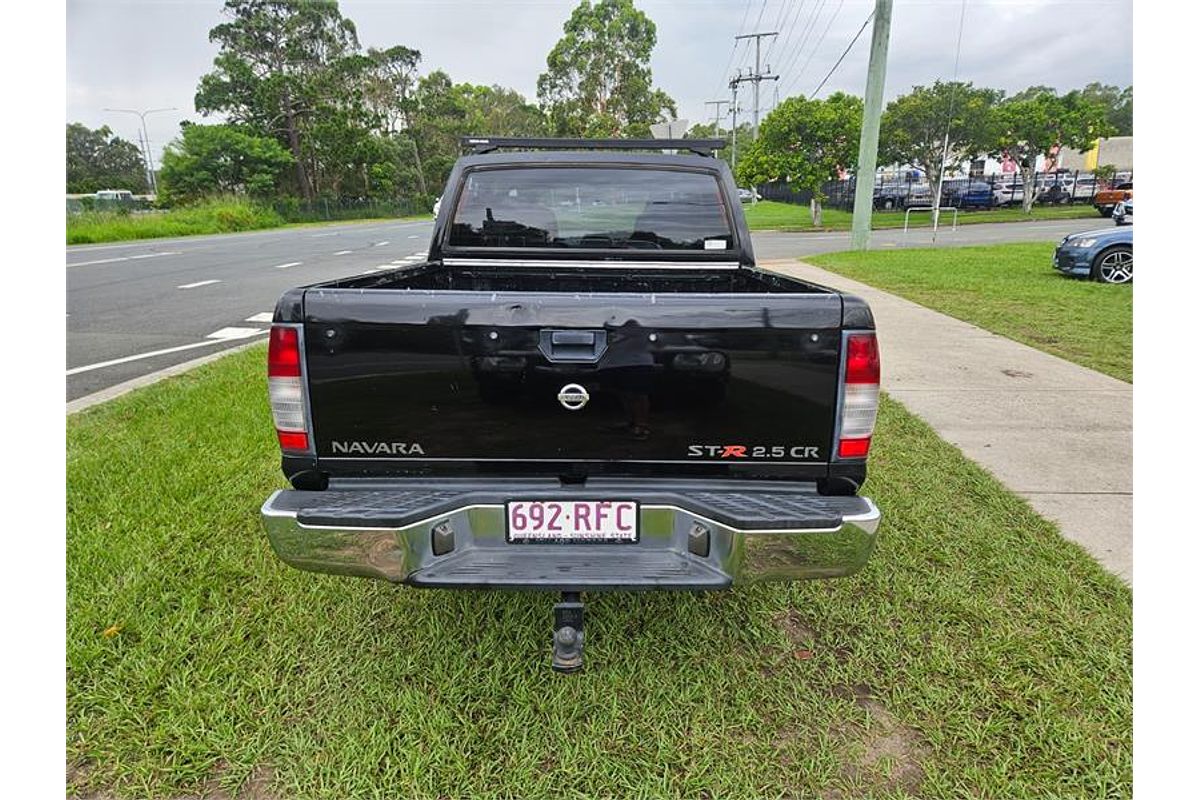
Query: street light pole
{"points": [[151, 180]]}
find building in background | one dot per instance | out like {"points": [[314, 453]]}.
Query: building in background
{"points": [[1117, 150]]}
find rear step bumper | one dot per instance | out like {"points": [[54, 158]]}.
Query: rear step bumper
{"points": [[694, 535]]}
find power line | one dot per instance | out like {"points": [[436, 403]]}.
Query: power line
{"points": [[736, 42], [783, 6], [804, 36], [761, 9], [789, 48], [821, 39], [843, 55]]}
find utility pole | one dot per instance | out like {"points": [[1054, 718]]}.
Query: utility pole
{"points": [[757, 76], [733, 85], [868, 143], [151, 180], [717, 115]]}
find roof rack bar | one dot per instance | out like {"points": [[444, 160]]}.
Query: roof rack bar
{"points": [[488, 144]]}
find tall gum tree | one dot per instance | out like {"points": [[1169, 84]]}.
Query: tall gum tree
{"points": [[272, 71], [597, 81]]}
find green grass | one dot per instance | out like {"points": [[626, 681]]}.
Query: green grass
{"points": [[978, 654], [220, 215], [772, 215], [1009, 289]]}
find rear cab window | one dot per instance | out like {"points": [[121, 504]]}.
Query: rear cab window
{"points": [[591, 208]]}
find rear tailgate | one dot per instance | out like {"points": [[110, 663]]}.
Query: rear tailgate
{"points": [[428, 382]]}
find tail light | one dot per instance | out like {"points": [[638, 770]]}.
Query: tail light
{"points": [[285, 384], [860, 395]]}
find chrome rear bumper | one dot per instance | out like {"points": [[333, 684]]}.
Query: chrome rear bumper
{"points": [[336, 534]]}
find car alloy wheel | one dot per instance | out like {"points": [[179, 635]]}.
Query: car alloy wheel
{"points": [[1115, 266]]}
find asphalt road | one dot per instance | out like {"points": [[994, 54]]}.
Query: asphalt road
{"points": [[138, 307]]}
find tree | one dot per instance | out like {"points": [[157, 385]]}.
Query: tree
{"points": [[276, 69], [914, 126], [218, 159], [1118, 105], [1037, 124], [709, 131], [96, 159], [387, 79], [597, 81], [805, 142], [497, 111]]}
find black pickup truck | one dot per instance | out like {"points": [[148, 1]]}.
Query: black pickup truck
{"points": [[588, 385]]}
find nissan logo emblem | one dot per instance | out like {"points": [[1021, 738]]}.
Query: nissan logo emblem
{"points": [[573, 397]]}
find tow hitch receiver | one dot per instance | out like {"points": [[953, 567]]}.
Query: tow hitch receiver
{"points": [[568, 634]]}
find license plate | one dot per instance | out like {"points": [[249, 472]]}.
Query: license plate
{"points": [[585, 521]]}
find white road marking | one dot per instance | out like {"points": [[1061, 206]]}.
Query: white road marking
{"points": [[121, 258], [319, 235], [234, 333], [152, 354], [153, 255], [262, 316], [415, 236], [289, 264], [381, 244], [198, 284], [343, 252]]}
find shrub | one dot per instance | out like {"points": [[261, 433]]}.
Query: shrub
{"points": [[215, 215]]}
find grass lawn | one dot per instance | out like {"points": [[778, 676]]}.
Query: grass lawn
{"points": [[1009, 289], [218, 216], [978, 654], [770, 215]]}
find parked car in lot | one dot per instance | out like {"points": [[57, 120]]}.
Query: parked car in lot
{"points": [[1055, 194], [1123, 213], [1105, 255], [1008, 192], [976, 194], [1106, 199], [576, 398], [890, 196]]}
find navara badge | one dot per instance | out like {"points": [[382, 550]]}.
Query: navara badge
{"points": [[573, 397]]}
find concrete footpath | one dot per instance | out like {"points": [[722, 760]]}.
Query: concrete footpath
{"points": [[1058, 434]]}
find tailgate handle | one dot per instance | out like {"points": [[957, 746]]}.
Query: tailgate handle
{"points": [[579, 347]]}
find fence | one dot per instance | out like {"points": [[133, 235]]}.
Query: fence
{"points": [[984, 191], [334, 208]]}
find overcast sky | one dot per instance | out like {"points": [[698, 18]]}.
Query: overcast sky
{"points": [[141, 54]]}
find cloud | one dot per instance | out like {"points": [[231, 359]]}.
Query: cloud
{"points": [[143, 54]]}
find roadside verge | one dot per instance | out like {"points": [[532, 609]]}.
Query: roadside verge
{"points": [[1055, 433], [199, 665]]}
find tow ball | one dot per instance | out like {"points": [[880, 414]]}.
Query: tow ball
{"points": [[568, 634]]}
